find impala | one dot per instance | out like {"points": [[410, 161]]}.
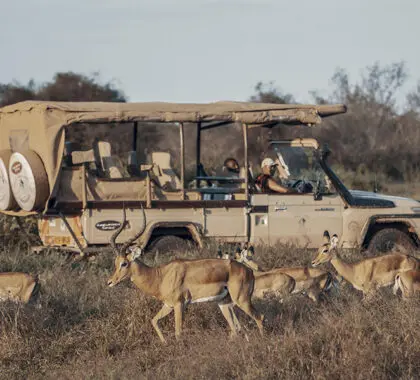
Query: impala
{"points": [[367, 275], [408, 282], [181, 282], [285, 281], [18, 287]]}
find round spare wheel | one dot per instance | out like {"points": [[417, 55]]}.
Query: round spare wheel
{"points": [[28, 180], [7, 200]]}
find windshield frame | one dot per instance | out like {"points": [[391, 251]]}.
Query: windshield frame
{"points": [[320, 155]]}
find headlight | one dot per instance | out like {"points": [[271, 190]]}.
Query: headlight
{"points": [[416, 210]]}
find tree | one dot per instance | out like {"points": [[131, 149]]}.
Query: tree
{"points": [[372, 131], [77, 87], [67, 86], [14, 92], [267, 93]]}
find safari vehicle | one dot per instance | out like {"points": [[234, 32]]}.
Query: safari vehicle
{"points": [[79, 188]]}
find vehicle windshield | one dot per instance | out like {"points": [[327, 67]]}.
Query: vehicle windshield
{"points": [[296, 164]]}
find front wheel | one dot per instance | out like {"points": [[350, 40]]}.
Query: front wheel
{"points": [[391, 239]]}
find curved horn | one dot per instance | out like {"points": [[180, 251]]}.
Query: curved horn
{"points": [[136, 236], [117, 232]]}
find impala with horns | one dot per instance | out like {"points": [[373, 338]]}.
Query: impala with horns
{"points": [[18, 287], [367, 275], [408, 282], [285, 281], [181, 282]]}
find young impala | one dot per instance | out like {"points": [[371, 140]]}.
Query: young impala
{"points": [[366, 275], [17, 286], [285, 281], [408, 282], [181, 282]]}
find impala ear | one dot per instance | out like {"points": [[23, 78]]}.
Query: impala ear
{"points": [[238, 252], [250, 251], [326, 237], [135, 254], [334, 242]]}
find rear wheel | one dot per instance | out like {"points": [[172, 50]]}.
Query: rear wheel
{"points": [[391, 239], [169, 243]]}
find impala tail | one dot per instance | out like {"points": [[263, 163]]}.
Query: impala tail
{"points": [[397, 284]]}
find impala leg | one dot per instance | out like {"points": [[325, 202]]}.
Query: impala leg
{"points": [[166, 310], [235, 318], [230, 317], [247, 308], [407, 291], [236, 321], [179, 317], [242, 299], [313, 293]]}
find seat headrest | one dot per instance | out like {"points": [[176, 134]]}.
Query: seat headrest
{"points": [[163, 159]]}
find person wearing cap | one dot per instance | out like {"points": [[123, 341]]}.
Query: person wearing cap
{"points": [[266, 182], [231, 166]]}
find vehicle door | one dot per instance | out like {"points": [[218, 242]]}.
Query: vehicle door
{"points": [[302, 218]]}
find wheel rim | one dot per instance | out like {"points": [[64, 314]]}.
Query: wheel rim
{"points": [[22, 181]]}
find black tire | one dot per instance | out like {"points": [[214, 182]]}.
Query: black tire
{"points": [[169, 243], [391, 239], [7, 200]]}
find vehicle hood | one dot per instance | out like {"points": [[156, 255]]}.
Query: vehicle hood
{"points": [[370, 199]]}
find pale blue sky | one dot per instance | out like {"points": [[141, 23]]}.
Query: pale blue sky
{"points": [[206, 50]]}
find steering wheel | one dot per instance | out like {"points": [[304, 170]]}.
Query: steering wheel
{"points": [[302, 186]]}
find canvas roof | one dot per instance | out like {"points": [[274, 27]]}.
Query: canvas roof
{"points": [[184, 112], [39, 125]]}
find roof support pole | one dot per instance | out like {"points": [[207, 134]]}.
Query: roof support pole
{"points": [[134, 146], [246, 163], [181, 139], [198, 153]]}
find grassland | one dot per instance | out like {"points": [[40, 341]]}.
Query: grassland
{"points": [[85, 330]]}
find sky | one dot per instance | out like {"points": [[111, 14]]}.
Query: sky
{"points": [[207, 50]]}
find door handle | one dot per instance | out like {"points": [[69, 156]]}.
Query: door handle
{"points": [[280, 208]]}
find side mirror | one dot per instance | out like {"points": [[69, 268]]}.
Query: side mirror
{"points": [[317, 190]]}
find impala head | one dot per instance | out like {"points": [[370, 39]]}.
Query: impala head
{"points": [[123, 261], [327, 251]]}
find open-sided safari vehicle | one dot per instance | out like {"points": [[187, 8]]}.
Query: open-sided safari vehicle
{"points": [[78, 187]]}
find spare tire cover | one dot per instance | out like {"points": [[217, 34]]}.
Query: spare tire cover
{"points": [[28, 180], [7, 200]]}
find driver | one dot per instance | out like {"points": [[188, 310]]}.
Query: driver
{"points": [[266, 182]]}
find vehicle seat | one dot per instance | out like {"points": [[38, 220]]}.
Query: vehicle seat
{"points": [[109, 165], [166, 178], [133, 165], [69, 148]]}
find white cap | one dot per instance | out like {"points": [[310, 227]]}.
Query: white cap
{"points": [[268, 162]]}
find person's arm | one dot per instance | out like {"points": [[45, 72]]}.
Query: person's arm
{"points": [[274, 186]]}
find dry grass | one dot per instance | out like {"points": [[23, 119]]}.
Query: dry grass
{"points": [[85, 330]]}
